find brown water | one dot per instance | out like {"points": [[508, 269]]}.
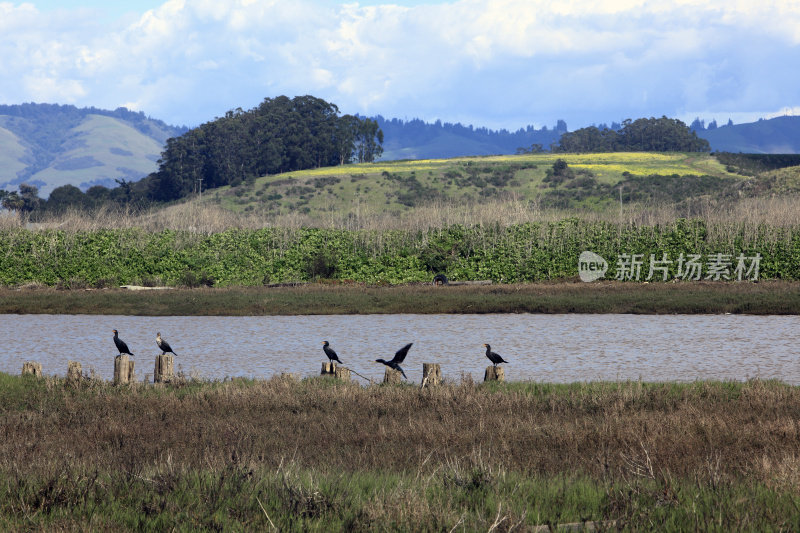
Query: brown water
{"points": [[549, 348]]}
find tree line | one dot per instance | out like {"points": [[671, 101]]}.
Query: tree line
{"points": [[279, 135], [445, 139], [640, 135]]}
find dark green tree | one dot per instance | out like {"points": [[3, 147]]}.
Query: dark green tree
{"points": [[279, 135], [66, 197], [369, 141], [641, 135]]}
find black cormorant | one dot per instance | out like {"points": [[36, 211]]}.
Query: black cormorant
{"points": [[494, 357], [163, 345], [330, 353], [121, 346], [398, 358]]}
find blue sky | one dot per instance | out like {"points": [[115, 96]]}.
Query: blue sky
{"points": [[495, 63]]}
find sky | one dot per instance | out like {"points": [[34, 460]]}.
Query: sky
{"points": [[489, 63]]}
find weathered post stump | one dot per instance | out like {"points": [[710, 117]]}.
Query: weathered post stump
{"points": [[32, 367], [123, 370], [342, 373], [334, 370], [165, 369], [392, 376], [73, 372], [494, 373], [431, 374]]}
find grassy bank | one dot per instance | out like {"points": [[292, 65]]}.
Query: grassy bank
{"points": [[316, 455], [763, 298]]}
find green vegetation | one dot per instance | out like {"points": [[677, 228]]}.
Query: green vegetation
{"points": [[279, 135], [755, 164], [765, 298], [401, 186], [527, 252], [640, 135], [316, 455]]}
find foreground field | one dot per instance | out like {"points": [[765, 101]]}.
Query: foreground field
{"points": [[318, 455], [764, 298]]}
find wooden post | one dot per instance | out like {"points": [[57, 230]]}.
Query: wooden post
{"points": [[392, 376], [123, 370], [73, 372], [494, 373], [431, 374], [32, 367], [342, 373], [165, 369], [337, 371]]}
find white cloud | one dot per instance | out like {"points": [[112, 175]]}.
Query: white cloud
{"points": [[785, 112], [490, 62]]}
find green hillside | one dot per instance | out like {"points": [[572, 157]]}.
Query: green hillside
{"points": [[12, 152], [590, 181], [49, 145], [97, 151]]}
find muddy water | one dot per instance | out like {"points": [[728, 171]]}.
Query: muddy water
{"points": [[550, 348]]}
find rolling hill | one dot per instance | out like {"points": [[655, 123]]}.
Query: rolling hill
{"points": [[588, 182], [51, 145]]}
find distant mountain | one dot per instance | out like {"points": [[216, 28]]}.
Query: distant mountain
{"points": [[779, 135], [50, 145], [415, 139]]}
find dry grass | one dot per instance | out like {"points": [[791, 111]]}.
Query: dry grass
{"points": [[725, 430], [322, 455], [209, 218]]}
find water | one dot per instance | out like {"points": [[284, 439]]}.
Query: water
{"points": [[549, 348]]}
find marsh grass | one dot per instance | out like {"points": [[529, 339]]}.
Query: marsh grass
{"points": [[766, 297], [311, 455]]}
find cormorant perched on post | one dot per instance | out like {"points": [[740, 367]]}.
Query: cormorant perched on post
{"points": [[330, 353], [121, 346], [163, 345], [494, 357], [398, 358]]}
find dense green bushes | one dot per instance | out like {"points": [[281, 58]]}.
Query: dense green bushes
{"points": [[517, 253]]}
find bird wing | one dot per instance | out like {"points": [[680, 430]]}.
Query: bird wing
{"points": [[121, 346], [400, 355], [496, 358]]}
